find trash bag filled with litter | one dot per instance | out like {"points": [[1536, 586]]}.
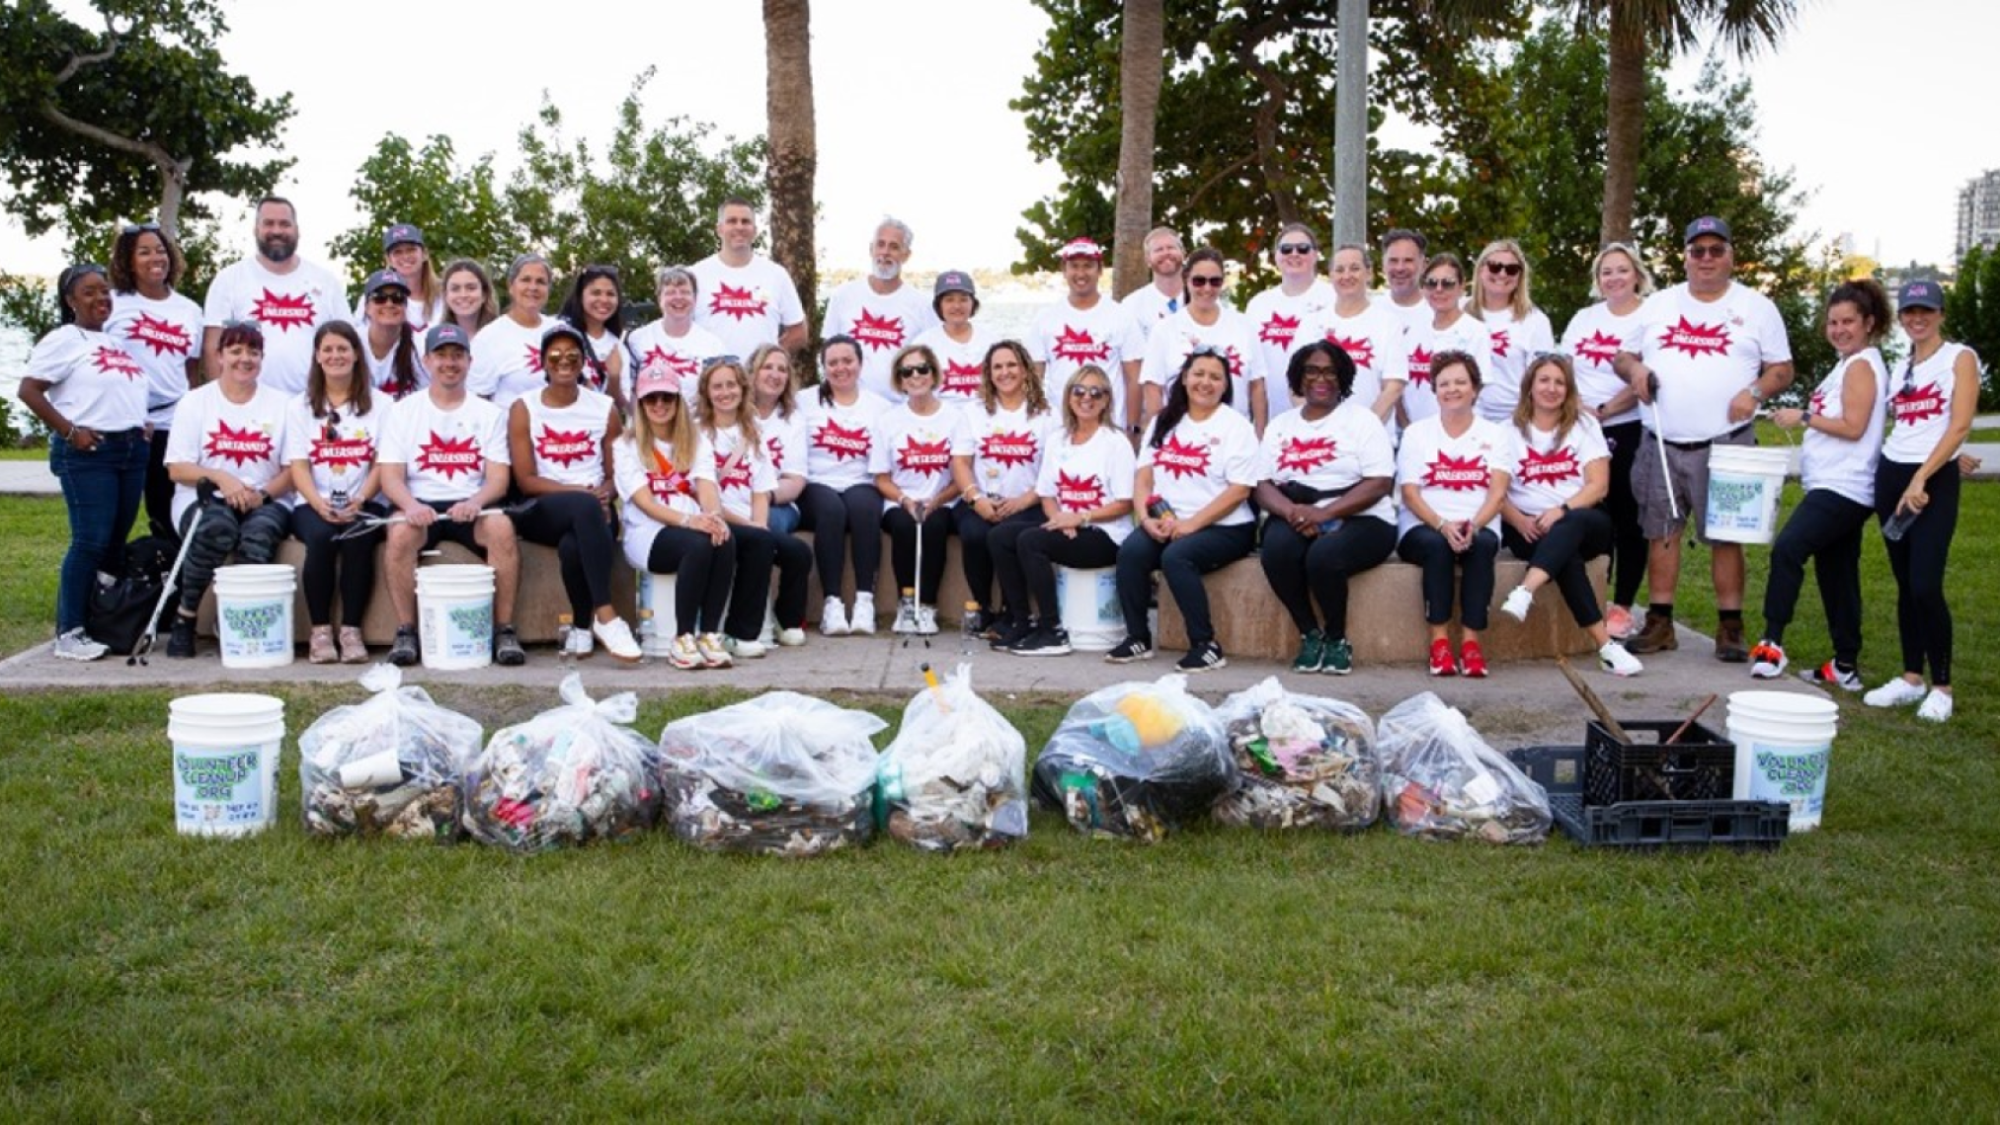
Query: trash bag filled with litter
{"points": [[1136, 760], [956, 775], [567, 776], [781, 774], [1440, 780], [1307, 762], [389, 766]]}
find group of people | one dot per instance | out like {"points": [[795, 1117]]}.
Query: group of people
{"points": [[1322, 427]]}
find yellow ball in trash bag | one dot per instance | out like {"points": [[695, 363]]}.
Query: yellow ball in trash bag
{"points": [[1154, 718]]}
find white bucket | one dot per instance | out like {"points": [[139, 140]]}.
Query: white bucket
{"points": [[455, 616], [253, 614], [1784, 742], [1744, 484], [1087, 603], [226, 749], [658, 594]]}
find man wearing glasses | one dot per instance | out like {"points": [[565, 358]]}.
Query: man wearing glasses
{"points": [[880, 312], [1712, 351], [1300, 298], [286, 296]]}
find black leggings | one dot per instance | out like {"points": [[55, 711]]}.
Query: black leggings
{"points": [[159, 489], [353, 558], [252, 536], [1561, 553], [1826, 527], [1427, 548], [703, 574], [902, 529], [574, 524], [1181, 562], [1302, 570], [1923, 620], [833, 518], [975, 546], [1628, 538], [758, 550], [1025, 557]]}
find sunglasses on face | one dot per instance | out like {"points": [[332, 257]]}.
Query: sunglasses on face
{"points": [[916, 369], [1092, 393], [1509, 269], [1710, 250], [563, 359], [1441, 283], [1295, 248], [1205, 282], [388, 297]]}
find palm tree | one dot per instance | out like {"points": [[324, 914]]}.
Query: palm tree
{"points": [[788, 110], [1142, 53]]}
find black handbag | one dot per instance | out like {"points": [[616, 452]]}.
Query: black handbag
{"points": [[117, 612]]}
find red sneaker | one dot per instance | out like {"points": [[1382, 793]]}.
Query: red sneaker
{"points": [[1441, 664], [1471, 661]]}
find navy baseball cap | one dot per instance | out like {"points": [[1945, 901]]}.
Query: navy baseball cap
{"points": [[1707, 224], [446, 335], [400, 233], [953, 281], [1920, 295], [384, 279], [564, 329]]}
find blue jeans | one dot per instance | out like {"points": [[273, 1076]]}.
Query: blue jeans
{"points": [[103, 490], [784, 519]]}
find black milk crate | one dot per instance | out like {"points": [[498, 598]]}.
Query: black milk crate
{"points": [[1740, 825], [1700, 767]]}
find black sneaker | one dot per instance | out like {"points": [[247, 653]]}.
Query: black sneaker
{"points": [[180, 642], [403, 650], [1129, 650], [1204, 657], [1044, 642], [507, 650], [994, 625], [1011, 633]]}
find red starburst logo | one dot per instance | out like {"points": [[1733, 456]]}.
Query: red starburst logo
{"points": [[1501, 342], [732, 474], [1553, 467], [1279, 330], [1011, 450], [842, 443], [1420, 366], [960, 379], [669, 484], [160, 335], [1599, 348], [1918, 404], [924, 456], [565, 447], [281, 312], [111, 361], [534, 361], [246, 446], [878, 333], [738, 304], [1359, 349], [685, 366], [448, 458], [777, 450], [343, 453], [1079, 494], [1181, 460], [1077, 346], [1817, 403], [1695, 339], [1456, 475], [1303, 455]]}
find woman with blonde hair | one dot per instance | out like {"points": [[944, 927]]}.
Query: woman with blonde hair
{"points": [[1501, 283], [745, 479]]}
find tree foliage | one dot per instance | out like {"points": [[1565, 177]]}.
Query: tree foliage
{"points": [[1972, 314], [459, 209]]}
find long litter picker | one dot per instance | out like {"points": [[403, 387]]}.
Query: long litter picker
{"points": [[204, 495]]}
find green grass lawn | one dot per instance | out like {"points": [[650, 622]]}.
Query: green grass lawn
{"points": [[1223, 973]]}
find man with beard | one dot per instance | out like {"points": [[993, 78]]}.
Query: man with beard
{"points": [[1403, 263], [1084, 328], [747, 300], [1167, 293], [880, 312], [287, 297]]}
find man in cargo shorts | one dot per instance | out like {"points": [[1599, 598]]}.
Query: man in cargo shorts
{"points": [[1712, 352]]}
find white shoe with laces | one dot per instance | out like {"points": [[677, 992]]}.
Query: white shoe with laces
{"points": [[833, 620], [1898, 692], [713, 654], [77, 645], [864, 614], [1615, 659], [791, 638], [1519, 599], [742, 649], [1936, 707], [617, 638]]}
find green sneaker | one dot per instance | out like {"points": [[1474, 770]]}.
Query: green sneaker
{"points": [[1312, 650], [1339, 658]]}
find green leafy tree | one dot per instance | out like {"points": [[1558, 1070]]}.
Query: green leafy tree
{"points": [[459, 209], [1972, 314]]}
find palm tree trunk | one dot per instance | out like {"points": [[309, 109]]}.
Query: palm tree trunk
{"points": [[1625, 121], [788, 109], [1141, 53]]}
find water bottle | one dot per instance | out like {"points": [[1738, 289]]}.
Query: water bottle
{"points": [[966, 620], [1894, 527], [1158, 508], [565, 656]]}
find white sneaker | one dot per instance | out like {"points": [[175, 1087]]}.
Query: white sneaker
{"points": [[833, 620], [580, 643], [617, 638], [906, 616], [791, 638], [709, 645], [1617, 660], [1517, 603], [864, 614], [1898, 692], [741, 649], [927, 621], [77, 645], [684, 655], [1936, 706]]}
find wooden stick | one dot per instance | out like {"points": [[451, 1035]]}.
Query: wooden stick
{"points": [[1683, 728], [1590, 697]]}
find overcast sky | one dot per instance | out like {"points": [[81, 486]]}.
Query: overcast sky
{"points": [[1879, 109]]}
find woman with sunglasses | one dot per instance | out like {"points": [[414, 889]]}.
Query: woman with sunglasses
{"points": [[1501, 280], [745, 480], [1324, 473], [675, 339], [162, 330], [840, 503], [391, 347], [595, 306], [775, 408], [560, 440], [1916, 495], [1196, 468], [960, 344], [915, 444], [331, 432], [404, 255], [673, 515], [1009, 429], [1207, 325], [468, 297], [91, 394], [1447, 329], [1083, 491], [507, 354]]}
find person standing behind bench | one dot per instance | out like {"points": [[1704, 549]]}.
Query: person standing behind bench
{"points": [[444, 453]]}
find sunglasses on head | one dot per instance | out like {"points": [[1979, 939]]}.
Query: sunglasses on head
{"points": [[140, 228], [1510, 269], [1205, 282], [916, 369]]}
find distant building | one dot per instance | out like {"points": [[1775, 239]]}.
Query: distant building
{"points": [[1978, 213]]}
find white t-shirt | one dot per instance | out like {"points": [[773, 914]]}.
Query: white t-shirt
{"points": [[162, 335], [1411, 317], [1345, 446], [1465, 335], [339, 454], [745, 307], [507, 361], [1372, 338], [739, 478], [963, 364], [1232, 334], [1452, 474], [1283, 321], [569, 441], [653, 470], [382, 369], [94, 382], [245, 440], [1594, 337], [1200, 459], [1846, 468], [1149, 306], [288, 307], [840, 440], [1064, 338], [1007, 447], [1704, 352], [444, 452], [683, 355], [881, 323], [1084, 478], [785, 442], [1514, 343], [916, 450], [1546, 475], [1921, 406]]}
